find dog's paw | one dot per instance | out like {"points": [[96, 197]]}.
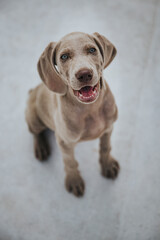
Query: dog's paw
{"points": [[41, 147], [110, 168], [75, 184]]}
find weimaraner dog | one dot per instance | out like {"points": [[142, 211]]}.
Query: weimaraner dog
{"points": [[75, 102]]}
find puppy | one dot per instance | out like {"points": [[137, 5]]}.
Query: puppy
{"points": [[75, 102]]}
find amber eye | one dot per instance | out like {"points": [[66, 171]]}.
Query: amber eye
{"points": [[64, 57], [92, 50]]}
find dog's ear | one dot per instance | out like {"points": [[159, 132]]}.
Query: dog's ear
{"points": [[48, 72], [107, 49]]}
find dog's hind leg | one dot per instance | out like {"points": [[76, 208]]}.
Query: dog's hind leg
{"points": [[41, 146], [37, 128]]}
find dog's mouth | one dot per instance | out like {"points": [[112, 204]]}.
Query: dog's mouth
{"points": [[88, 93]]}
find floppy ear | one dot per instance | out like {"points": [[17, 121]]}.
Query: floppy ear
{"points": [[48, 72], [107, 49]]}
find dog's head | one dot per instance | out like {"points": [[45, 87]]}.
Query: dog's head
{"points": [[75, 65]]}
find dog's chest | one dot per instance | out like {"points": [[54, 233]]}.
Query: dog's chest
{"points": [[89, 126], [90, 123], [94, 126], [81, 127]]}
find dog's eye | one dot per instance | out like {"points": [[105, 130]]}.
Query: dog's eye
{"points": [[92, 50], [64, 57]]}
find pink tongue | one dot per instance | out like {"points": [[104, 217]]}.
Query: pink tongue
{"points": [[86, 91]]}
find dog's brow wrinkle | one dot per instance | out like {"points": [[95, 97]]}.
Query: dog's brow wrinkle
{"points": [[66, 50], [89, 46]]}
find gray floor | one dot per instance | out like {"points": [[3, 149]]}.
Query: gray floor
{"points": [[33, 202]]}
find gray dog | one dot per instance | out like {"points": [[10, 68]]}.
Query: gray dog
{"points": [[75, 102]]}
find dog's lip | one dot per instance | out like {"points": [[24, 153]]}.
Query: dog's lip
{"points": [[87, 93]]}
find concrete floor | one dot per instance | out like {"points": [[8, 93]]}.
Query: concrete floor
{"points": [[33, 202]]}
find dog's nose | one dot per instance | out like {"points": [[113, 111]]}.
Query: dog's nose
{"points": [[84, 75]]}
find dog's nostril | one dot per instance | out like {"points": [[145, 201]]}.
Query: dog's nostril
{"points": [[84, 75]]}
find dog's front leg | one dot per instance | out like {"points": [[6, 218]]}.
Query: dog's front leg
{"points": [[74, 182], [109, 166]]}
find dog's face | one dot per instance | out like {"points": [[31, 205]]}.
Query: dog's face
{"points": [[80, 64], [80, 59]]}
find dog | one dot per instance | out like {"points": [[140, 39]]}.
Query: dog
{"points": [[75, 102]]}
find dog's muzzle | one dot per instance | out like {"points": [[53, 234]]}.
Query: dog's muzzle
{"points": [[87, 94]]}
